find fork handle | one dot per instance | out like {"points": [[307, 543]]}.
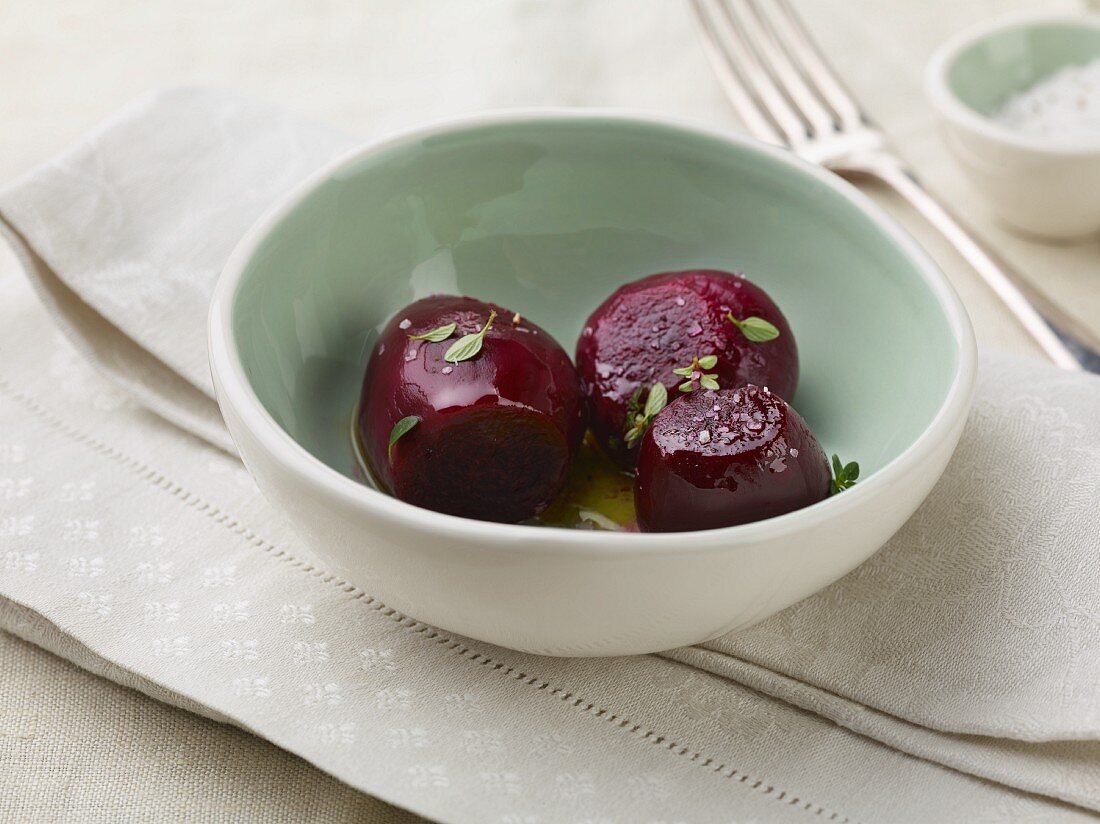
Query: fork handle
{"points": [[1067, 341]]}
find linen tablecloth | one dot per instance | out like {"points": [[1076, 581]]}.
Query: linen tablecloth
{"points": [[28, 333], [193, 769]]}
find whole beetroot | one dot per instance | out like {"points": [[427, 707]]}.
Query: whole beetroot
{"points": [[656, 328], [488, 433], [715, 459]]}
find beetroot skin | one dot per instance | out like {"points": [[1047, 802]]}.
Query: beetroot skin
{"points": [[648, 328], [715, 459], [496, 434]]}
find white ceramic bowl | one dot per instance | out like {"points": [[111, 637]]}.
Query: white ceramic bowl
{"points": [[547, 212], [1042, 186]]}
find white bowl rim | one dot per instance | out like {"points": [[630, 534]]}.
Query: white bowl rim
{"points": [[963, 116], [225, 363]]}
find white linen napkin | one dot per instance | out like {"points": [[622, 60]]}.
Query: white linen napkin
{"points": [[970, 640], [135, 223]]}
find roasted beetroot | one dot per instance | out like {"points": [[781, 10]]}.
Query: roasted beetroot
{"points": [[648, 329], [714, 459], [488, 433]]}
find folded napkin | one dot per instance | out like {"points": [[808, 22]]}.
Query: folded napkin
{"points": [[969, 642], [135, 223]]}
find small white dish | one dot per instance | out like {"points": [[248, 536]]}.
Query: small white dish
{"points": [[1043, 186]]}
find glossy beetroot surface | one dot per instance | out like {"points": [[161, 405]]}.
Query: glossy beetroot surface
{"points": [[715, 459], [648, 328], [496, 434]]}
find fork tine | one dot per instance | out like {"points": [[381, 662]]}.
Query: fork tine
{"points": [[746, 62], [774, 51], [732, 83], [741, 52], [814, 66]]}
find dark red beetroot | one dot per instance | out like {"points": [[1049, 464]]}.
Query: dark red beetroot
{"points": [[494, 435], [715, 459], [655, 325]]}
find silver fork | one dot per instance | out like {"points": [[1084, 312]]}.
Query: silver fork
{"points": [[786, 93]]}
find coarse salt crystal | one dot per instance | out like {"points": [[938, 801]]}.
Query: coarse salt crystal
{"points": [[1065, 104]]}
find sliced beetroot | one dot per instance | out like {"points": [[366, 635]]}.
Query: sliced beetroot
{"points": [[490, 437], [649, 328], [714, 459]]}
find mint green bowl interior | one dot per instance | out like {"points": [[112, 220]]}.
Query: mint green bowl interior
{"points": [[993, 68], [547, 217]]}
